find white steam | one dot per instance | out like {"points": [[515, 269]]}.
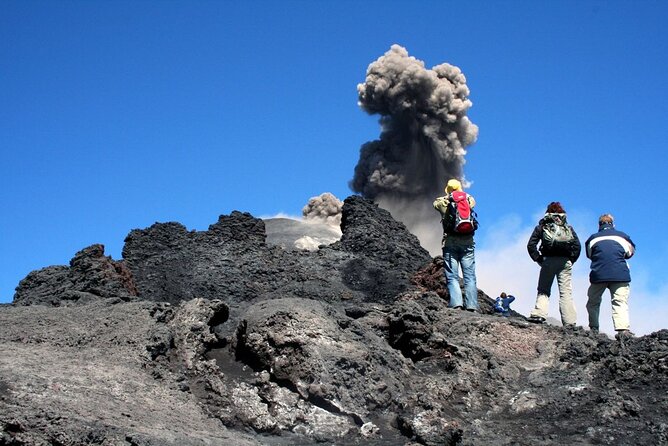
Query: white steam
{"points": [[325, 208]]}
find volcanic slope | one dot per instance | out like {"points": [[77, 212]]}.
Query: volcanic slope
{"points": [[216, 337]]}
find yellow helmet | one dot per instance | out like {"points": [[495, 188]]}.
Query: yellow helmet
{"points": [[453, 185]]}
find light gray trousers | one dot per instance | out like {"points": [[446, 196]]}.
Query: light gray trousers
{"points": [[619, 292], [561, 268]]}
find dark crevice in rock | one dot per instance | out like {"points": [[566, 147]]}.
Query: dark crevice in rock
{"points": [[327, 405], [4, 391], [160, 342], [231, 367], [242, 354], [13, 427], [356, 312], [220, 316]]}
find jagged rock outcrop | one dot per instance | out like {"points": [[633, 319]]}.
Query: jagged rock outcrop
{"points": [[320, 353], [387, 255], [232, 341], [90, 276], [373, 261]]}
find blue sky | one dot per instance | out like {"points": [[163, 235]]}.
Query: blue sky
{"points": [[115, 115]]}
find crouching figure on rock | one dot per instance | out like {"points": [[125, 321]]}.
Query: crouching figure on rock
{"points": [[502, 304]]}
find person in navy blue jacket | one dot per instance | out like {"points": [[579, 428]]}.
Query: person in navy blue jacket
{"points": [[608, 250]]}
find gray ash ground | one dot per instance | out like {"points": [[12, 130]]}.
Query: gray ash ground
{"points": [[218, 337]]}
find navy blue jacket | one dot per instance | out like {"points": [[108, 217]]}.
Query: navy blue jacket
{"points": [[608, 250]]}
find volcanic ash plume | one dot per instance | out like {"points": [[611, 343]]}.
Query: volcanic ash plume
{"points": [[325, 208], [424, 136], [425, 130]]}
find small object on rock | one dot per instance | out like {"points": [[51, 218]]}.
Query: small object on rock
{"points": [[264, 376], [369, 429]]}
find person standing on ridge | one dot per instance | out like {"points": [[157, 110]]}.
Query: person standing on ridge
{"points": [[608, 250], [459, 225], [559, 250]]}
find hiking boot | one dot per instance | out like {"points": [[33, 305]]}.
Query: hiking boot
{"points": [[571, 327], [472, 310], [458, 307], [536, 319], [593, 330], [623, 335]]}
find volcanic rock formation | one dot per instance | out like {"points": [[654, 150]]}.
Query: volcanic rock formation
{"points": [[217, 337]]}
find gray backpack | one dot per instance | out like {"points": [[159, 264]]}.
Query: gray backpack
{"points": [[557, 234]]}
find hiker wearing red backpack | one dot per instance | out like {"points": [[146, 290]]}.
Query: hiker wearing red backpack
{"points": [[459, 224], [559, 250]]}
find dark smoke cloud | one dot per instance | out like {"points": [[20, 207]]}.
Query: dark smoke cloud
{"points": [[425, 130], [423, 140], [325, 208]]}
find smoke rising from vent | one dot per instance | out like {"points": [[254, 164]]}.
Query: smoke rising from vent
{"points": [[423, 140], [325, 208]]}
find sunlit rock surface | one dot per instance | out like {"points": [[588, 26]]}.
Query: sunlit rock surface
{"points": [[225, 336]]}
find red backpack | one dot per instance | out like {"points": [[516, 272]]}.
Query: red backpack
{"points": [[460, 218]]}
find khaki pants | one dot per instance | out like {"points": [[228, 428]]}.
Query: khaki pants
{"points": [[561, 268], [619, 292]]}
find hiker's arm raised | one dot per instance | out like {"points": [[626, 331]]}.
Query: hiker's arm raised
{"points": [[441, 204]]}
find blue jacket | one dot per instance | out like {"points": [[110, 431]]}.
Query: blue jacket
{"points": [[502, 305], [608, 250]]}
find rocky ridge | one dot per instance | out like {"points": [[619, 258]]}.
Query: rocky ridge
{"points": [[216, 337]]}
